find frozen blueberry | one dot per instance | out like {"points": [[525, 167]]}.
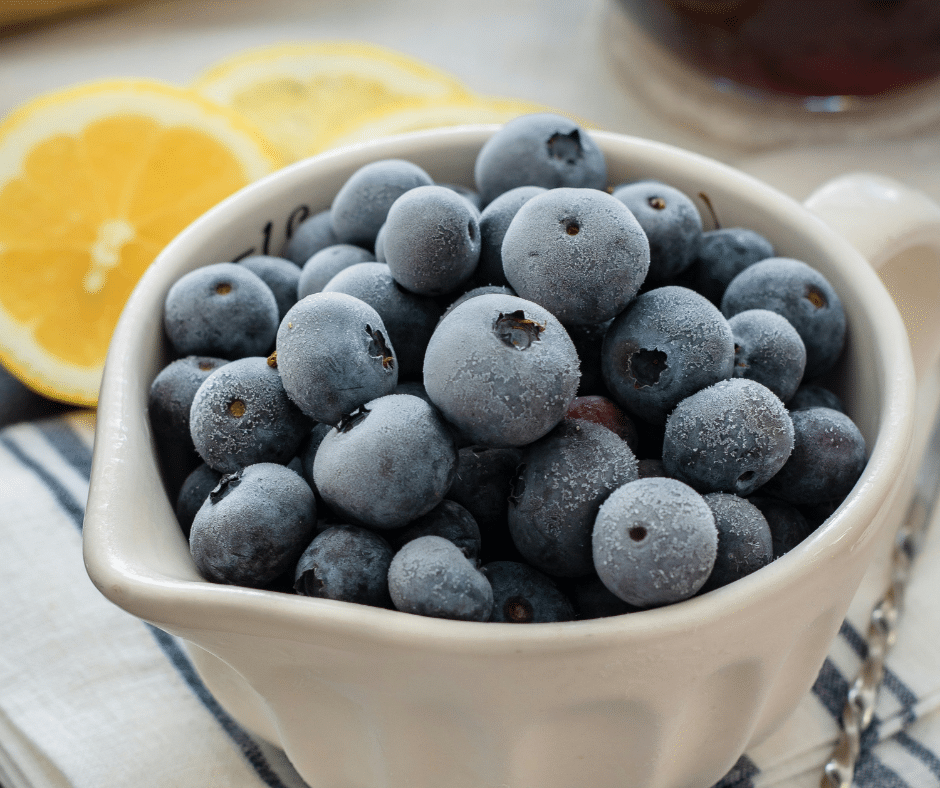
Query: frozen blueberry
{"points": [[253, 526], [193, 493], [545, 150], [578, 252], [431, 240], [429, 576], [654, 542], [563, 479], [603, 411], [745, 543], [477, 291], [241, 415], [482, 485], [828, 458], [592, 599], [472, 196], [803, 296], [280, 275], [380, 245], [812, 395], [494, 221], [788, 526], [669, 343], [334, 354], [769, 350], [409, 318], [588, 341], [523, 595], [326, 264], [502, 369], [649, 468], [171, 397], [346, 563], [387, 463], [220, 310], [671, 223], [312, 235], [725, 253], [450, 520], [730, 437], [361, 205], [308, 451]]}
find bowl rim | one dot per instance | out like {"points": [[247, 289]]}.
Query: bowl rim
{"points": [[180, 605]]}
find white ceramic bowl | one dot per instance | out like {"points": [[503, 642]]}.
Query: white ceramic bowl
{"points": [[359, 696]]}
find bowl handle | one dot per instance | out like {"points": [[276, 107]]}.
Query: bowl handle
{"points": [[897, 229]]}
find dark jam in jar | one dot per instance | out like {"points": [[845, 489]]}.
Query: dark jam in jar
{"points": [[801, 47]]}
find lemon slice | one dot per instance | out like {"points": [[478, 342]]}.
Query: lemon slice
{"points": [[302, 96], [94, 181], [476, 109]]}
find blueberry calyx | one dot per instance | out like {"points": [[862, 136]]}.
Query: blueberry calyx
{"points": [[272, 360], [237, 408], [518, 610], [350, 420], [637, 533], [516, 330], [226, 484], [223, 288], [572, 227], [816, 297], [646, 366], [658, 203], [566, 147], [378, 348]]}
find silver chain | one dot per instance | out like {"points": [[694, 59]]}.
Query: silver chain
{"points": [[882, 632]]}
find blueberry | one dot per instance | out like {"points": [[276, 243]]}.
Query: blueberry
{"points": [[563, 479], [409, 318], [494, 221], [788, 526], [312, 235], [387, 463], [523, 595], [723, 254], [334, 354], [671, 223], [361, 205], [730, 437], [588, 341], [482, 485], [828, 458], [502, 369], [603, 411], [346, 563], [450, 520], [745, 543], [769, 350], [171, 397], [578, 252], [429, 576], [308, 451], [241, 415], [220, 310], [477, 291], [669, 343], [280, 275], [193, 493], [592, 599], [812, 395], [431, 240], [545, 150], [380, 245], [654, 542], [650, 468], [326, 264], [803, 296], [472, 196], [253, 526]]}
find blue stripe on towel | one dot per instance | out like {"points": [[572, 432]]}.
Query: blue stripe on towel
{"points": [[79, 456], [919, 751], [741, 775], [892, 682], [72, 448]]}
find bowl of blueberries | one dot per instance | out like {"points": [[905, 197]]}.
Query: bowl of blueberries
{"points": [[522, 455]]}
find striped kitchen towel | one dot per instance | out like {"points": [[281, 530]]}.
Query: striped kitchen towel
{"points": [[90, 697]]}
